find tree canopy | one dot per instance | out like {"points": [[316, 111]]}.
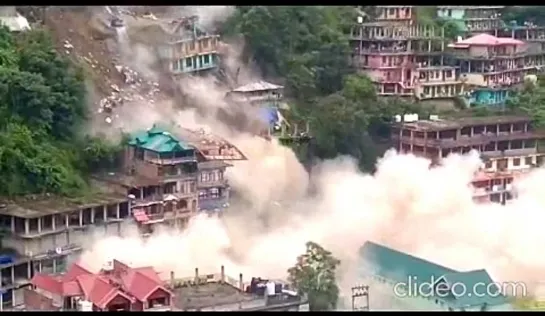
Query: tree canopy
{"points": [[314, 276], [309, 47], [42, 105]]}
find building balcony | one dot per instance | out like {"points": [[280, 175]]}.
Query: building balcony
{"points": [[469, 141], [213, 184], [171, 161], [211, 204]]}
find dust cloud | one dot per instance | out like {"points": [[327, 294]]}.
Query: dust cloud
{"points": [[407, 205]]}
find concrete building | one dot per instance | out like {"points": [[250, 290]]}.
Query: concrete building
{"points": [[390, 270], [42, 234], [473, 19], [507, 144], [401, 14], [490, 67], [182, 45], [405, 60], [117, 287], [171, 177], [220, 292]]}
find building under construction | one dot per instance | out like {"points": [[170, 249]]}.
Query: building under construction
{"points": [[508, 146], [404, 58]]}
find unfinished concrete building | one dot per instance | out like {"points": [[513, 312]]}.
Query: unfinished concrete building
{"points": [[405, 60], [507, 144], [473, 19], [42, 234], [182, 45]]}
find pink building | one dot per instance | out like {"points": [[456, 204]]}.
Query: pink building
{"points": [[404, 59]]}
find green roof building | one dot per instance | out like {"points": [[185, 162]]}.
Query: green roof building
{"points": [[405, 282], [157, 145]]}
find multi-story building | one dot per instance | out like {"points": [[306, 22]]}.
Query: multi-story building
{"points": [[170, 177], [268, 98], [394, 13], [42, 234], [507, 144], [117, 287], [473, 19], [405, 60], [182, 45], [393, 274], [491, 66]]}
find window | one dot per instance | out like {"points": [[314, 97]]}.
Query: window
{"points": [[214, 193], [212, 176], [204, 43], [139, 153], [449, 12], [448, 74], [189, 62], [528, 161], [391, 11], [516, 162], [202, 195], [206, 59], [205, 177], [488, 165], [191, 45], [384, 60]]}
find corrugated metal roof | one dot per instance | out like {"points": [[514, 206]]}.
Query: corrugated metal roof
{"points": [[258, 86], [397, 266], [489, 40], [158, 140]]}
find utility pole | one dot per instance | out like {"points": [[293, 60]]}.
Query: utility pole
{"points": [[360, 291]]}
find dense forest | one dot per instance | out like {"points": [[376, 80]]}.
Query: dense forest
{"points": [[44, 97], [42, 104]]}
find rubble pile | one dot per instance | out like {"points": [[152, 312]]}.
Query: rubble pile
{"points": [[135, 89]]}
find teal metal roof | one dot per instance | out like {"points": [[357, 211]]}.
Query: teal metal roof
{"points": [[478, 280], [397, 266], [158, 140]]}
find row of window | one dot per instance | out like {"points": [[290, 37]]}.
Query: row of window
{"points": [[193, 62], [212, 193], [211, 176]]}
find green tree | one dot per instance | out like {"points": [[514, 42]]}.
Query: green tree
{"points": [[314, 276], [530, 101]]}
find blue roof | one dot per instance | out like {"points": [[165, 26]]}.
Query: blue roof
{"points": [[269, 115], [397, 266]]}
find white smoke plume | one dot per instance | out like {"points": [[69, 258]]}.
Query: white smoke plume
{"points": [[407, 205]]}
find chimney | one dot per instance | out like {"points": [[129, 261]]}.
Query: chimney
{"points": [[222, 279], [240, 282], [172, 278]]}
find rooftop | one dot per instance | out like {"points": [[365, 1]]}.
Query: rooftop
{"points": [[209, 295], [454, 123], [37, 206], [100, 289], [158, 140], [486, 40], [211, 147], [399, 266], [257, 86], [123, 179]]}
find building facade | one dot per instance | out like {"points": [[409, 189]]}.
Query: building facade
{"points": [[182, 45], [473, 19], [391, 273], [490, 67], [43, 235], [405, 59], [508, 145]]}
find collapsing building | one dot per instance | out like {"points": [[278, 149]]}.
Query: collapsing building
{"points": [[119, 287], [508, 145], [268, 98], [181, 44], [171, 177], [399, 277]]}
